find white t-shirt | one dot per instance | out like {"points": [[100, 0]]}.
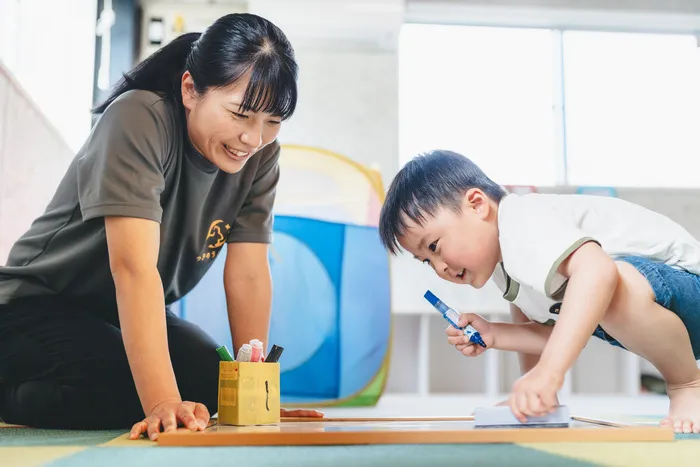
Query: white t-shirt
{"points": [[537, 232]]}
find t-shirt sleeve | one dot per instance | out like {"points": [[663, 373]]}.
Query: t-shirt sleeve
{"points": [[254, 221], [536, 238], [121, 170]]}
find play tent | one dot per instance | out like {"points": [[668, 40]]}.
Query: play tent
{"points": [[331, 296]]}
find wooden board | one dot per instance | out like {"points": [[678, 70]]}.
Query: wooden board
{"points": [[468, 418], [401, 431]]}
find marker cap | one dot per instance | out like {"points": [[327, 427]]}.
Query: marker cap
{"points": [[244, 353], [431, 298]]}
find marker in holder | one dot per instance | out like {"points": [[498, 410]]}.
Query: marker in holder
{"points": [[257, 348], [244, 353]]}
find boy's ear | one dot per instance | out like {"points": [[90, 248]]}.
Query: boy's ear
{"points": [[477, 201]]}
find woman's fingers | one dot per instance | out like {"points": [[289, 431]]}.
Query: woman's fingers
{"points": [[169, 422], [185, 414], [202, 415], [138, 429], [153, 427]]}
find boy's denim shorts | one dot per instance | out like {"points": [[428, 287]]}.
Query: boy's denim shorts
{"points": [[676, 290]]}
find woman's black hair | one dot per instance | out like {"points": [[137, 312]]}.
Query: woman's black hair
{"points": [[234, 46]]}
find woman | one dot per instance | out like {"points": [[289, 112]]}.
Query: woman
{"points": [[182, 162]]}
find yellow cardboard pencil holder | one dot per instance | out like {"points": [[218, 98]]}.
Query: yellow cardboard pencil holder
{"points": [[249, 393]]}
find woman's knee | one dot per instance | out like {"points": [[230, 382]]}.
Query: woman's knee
{"points": [[51, 404]]}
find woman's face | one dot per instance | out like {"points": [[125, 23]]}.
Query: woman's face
{"points": [[220, 131]]}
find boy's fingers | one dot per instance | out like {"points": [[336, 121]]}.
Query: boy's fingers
{"points": [[469, 350], [453, 331], [549, 401], [518, 403], [466, 318], [534, 404], [456, 340]]}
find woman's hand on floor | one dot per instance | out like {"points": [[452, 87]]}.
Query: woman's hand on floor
{"points": [[170, 415]]}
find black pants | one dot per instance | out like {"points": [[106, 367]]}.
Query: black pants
{"points": [[65, 367]]}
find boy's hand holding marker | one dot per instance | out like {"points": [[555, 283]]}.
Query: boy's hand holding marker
{"points": [[534, 394], [465, 329], [462, 342]]}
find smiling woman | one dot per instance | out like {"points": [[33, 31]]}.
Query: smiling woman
{"points": [[182, 161]]}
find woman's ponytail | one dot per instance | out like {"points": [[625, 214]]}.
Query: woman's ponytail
{"points": [[160, 73]]}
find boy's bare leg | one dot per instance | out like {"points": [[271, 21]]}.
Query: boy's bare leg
{"points": [[658, 335]]}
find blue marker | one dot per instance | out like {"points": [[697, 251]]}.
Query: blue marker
{"points": [[452, 317]]}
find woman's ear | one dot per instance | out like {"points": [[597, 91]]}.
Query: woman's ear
{"points": [[189, 93]]}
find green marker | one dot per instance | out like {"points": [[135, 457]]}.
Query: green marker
{"points": [[224, 353]]}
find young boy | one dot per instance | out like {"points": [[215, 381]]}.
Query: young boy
{"points": [[592, 265]]}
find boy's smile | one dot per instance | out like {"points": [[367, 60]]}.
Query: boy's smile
{"points": [[461, 247]]}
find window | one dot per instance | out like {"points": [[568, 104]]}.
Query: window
{"points": [[483, 92], [545, 107], [632, 109]]}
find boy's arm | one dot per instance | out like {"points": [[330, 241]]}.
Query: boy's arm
{"points": [[527, 360], [528, 339], [593, 277]]}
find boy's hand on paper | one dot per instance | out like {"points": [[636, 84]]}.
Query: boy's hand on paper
{"points": [[301, 413], [535, 393], [461, 342], [170, 415]]}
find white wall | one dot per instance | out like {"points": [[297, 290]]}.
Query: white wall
{"points": [[33, 158], [46, 75], [348, 76], [49, 46]]}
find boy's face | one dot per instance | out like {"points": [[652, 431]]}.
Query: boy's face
{"points": [[462, 247]]}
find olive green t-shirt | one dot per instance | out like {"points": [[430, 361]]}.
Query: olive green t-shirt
{"points": [[138, 162]]}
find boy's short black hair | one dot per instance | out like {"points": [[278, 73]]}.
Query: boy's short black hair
{"points": [[425, 184]]}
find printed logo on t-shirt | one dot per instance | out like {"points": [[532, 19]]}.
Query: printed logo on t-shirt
{"points": [[216, 237]]}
